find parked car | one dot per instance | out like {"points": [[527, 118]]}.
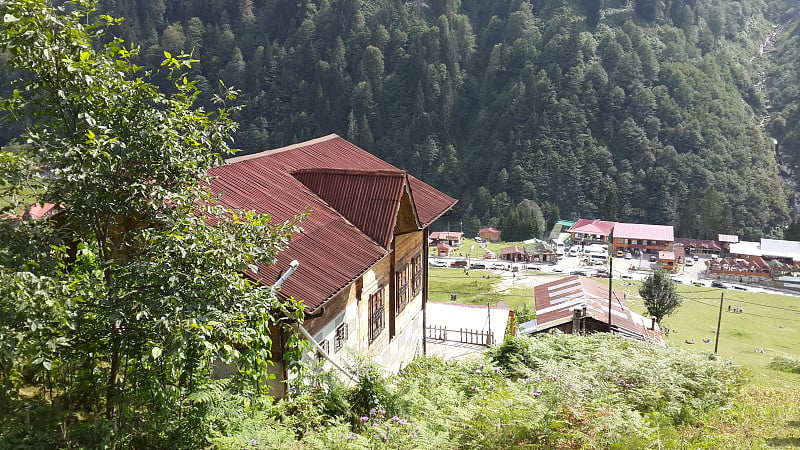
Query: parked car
{"points": [[459, 263], [628, 255], [689, 262], [498, 266], [478, 265], [438, 263], [653, 258], [620, 254], [600, 275], [718, 284], [579, 272], [695, 257]]}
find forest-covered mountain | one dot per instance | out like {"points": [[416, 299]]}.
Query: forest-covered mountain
{"points": [[633, 110]]}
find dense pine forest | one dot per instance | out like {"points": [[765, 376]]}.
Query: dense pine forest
{"points": [[634, 110]]}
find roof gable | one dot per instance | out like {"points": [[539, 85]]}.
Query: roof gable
{"points": [[369, 200]]}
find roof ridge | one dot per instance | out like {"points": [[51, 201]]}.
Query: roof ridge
{"points": [[237, 159]]}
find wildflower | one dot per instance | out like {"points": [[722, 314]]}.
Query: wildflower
{"points": [[253, 442], [536, 393], [413, 434], [497, 369], [394, 419], [477, 370], [402, 421], [352, 437], [364, 419], [474, 388], [385, 438]]}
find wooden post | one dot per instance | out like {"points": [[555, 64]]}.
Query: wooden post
{"points": [[719, 322]]}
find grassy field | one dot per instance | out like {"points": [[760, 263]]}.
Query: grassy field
{"points": [[471, 248], [477, 288], [766, 412]]}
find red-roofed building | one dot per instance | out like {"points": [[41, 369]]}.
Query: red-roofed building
{"points": [[490, 234], [362, 250], [451, 238], [39, 211], [580, 305], [643, 237], [589, 231]]}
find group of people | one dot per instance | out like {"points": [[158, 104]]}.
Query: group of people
{"points": [[736, 309]]}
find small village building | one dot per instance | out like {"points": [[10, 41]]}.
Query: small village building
{"points": [[451, 238], [514, 253], [443, 249], [362, 251], [580, 305], [540, 252], [589, 231], [490, 234], [751, 268], [562, 226], [705, 247], [642, 237], [667, 260]]}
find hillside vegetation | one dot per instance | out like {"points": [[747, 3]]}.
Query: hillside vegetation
{"points": [[633, 110]]}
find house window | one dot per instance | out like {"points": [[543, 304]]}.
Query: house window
{"points": [[403, 293], [340, 338], [416, 274], [324, 345], [377, 321]]}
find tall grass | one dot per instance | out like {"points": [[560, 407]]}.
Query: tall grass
{"points": [[552, 391]]}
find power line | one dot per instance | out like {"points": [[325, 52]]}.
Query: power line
{"points": [[795, 310]]}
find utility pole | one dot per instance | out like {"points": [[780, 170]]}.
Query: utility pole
{"points": [[719, 322], [610, 276]]}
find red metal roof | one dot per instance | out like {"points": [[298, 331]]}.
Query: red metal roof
{"points": [[515, 249], [352, 197], [592, 226], [556, 301], [379, 195], [662, 233], [38, 211], [704, 244], [446, 235]]}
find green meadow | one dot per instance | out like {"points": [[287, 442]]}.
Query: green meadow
{"points": [[766, 410]]}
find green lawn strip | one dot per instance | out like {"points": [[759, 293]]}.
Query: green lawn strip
{"points": [[472, 249]]}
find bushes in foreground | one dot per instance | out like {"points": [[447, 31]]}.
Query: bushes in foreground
{"points": [[554, 391]]}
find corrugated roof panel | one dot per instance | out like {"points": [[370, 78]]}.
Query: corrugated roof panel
{"points": [[552, 310], [342, 237], [370, 200]]}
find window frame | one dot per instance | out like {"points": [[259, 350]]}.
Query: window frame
{"points": [[377, 316]]}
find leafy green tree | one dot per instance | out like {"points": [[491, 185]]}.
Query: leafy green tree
{"points": [[659, 295], [127, 300]]}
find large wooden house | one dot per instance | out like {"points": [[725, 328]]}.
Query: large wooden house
{"points": [[362, 251]]}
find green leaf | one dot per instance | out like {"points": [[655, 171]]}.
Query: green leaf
{"points": [[85, 56], [156, 352]]}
